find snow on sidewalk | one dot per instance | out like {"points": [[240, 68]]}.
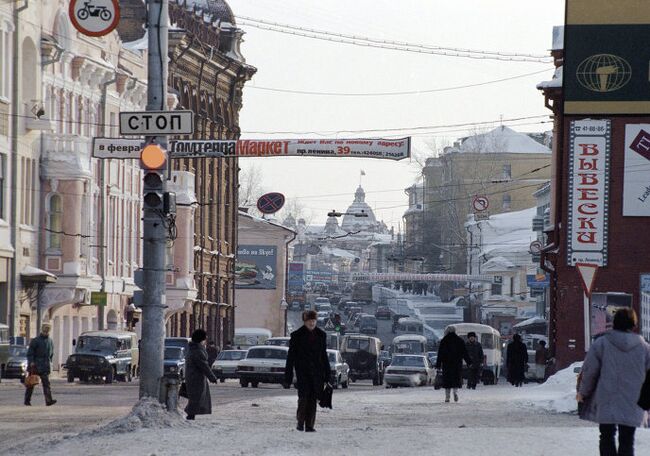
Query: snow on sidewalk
{"points": [[488, 421]]}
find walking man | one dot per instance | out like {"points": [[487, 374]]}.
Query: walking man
{"points": [[517, 360], [451, 353], [475, 352], [308, 355], [39, 359], [542, 356]]}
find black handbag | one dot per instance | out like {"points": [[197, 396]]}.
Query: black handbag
{"points": [[644, 397], [182, 391], [325, 398]]}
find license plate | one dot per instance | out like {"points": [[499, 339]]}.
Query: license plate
{"points": [[264, 369]]}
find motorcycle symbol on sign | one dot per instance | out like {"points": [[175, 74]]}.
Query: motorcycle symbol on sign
{"points": [[94, 11]]}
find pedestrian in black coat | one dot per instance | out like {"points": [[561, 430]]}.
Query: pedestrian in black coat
{"points": [[39, 360], [475, 352], [308, 355], [197, 374], [451, 353], [517, 360]]}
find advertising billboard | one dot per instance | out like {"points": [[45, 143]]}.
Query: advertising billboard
{"points": [[255, 267], [296, 276]]}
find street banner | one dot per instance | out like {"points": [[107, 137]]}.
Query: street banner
{"points": [[255, 267], [418, 277], [636, 186], [389, 149], [589, 150]]}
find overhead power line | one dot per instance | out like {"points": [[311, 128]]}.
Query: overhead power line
{"points": [[325, 35], [386, 94]]}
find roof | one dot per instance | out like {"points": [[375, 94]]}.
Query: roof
{"points": [[502, 140], [530, 321], [506, 234], [555, 82], [404, 337], [32, 274], [262, 220], [216, 10]]}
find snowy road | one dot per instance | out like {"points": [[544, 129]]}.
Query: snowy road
{"points": [[489, 421]]}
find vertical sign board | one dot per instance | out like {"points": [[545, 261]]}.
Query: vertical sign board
{"points": [[256, 267], [296, 276], [636, 180], [606, 55], [589, 149]]}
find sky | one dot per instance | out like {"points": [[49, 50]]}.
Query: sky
{"points": [[286, 61]]}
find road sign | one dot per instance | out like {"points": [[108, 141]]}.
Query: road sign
{"points": [[153, 123], [329, 326], [94, 17], [117, 148], [98, 298], [270, 203], [480, 203], [478, 216]]}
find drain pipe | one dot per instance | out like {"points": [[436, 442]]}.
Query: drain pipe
{"points": [[14, 168]]}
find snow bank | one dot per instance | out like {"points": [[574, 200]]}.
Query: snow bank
{"points": [[557, 394]]}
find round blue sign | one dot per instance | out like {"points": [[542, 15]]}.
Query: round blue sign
{"points": [[270, 203]]}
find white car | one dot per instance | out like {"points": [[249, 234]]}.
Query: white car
{"points": [[263, 364], [225, 366], [409, 370], [339, 368]]}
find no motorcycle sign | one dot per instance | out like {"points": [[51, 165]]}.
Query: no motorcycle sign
{"points": [[94, 17]]}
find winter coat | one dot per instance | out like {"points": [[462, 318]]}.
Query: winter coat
{"points": [[541, 355], [475, 352], [517, 360], [308, 356], [197, 373], [40, 353], [451, 353], [612, 375]]}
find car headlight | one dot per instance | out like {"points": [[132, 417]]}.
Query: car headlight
{"points": [[73, 359]]}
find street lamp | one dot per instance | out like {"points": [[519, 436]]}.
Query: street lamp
{"points": [[284, 306]]}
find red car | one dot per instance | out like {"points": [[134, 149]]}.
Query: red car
{"points": [[383, 312]]}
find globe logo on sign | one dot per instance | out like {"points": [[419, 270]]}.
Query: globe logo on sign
{"points": [[603, 73]]}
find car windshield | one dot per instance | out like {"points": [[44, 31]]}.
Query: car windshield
{"points": [[97, 344], [332, 357], [173, 353], [266, 353], [409, 361], [408, 346], [234, 355], [359, 344], [17, 351]]}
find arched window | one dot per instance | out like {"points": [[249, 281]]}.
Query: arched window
{"points": [[55, 224]]}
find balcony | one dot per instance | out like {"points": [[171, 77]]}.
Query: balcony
{"points": [[66, 156]]}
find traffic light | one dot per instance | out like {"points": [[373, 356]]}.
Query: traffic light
{"points": [[152, 160]]}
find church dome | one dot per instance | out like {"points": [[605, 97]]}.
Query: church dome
{"points": [[359, 206]]}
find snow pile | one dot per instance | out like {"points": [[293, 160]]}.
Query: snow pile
{"points": [[558, 393], [147, 413]]}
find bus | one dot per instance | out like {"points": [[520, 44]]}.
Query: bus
{"points": [[490, 339], [248, 337], [410, 344], [409, 325]]}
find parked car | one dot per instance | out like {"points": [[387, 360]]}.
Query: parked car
{"points": [[278, 341], [174, 362], [340, 369], [225, 366], [263, 364], [16, 365], [383, 312], [409, 370], [111, 355], [362, 355], [367, 324], [183, 342]]}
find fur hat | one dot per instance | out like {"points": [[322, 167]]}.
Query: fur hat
{"points": [[471, 334]]}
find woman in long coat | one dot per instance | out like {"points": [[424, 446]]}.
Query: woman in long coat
{"points": [[308, 356], [197, 373], [611, 379], [517, 360], [451, 353]]}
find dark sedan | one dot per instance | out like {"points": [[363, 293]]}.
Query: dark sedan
{"points": [[382, 312], [174, 362]]}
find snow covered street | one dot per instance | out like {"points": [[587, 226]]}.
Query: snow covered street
{"points": [[495, 420]]}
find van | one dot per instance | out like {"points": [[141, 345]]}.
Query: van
{"points": [[362, 355], [490, 339], [410, 344], [111, 355], [249, 337]]}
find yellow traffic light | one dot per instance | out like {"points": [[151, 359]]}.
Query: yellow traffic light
{"points": [[153, 157]]}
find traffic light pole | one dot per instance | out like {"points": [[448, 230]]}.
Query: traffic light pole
{"points": [[154, 232]]}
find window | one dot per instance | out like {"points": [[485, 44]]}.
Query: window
{"points": [[5, 61], [55, 222], [507, 172], [497, 286], [507, 200], [3, 160]]}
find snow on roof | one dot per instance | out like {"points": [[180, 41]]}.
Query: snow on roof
{"points": [[138, 45], [31, 271], [338, 252], [502, 140], [263, 220], [506, 234], [497, 264], [554, 83]]}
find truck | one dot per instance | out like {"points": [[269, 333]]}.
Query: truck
{"points": [[362, 292]]}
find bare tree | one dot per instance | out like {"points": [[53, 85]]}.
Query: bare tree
{"points": [[251, 187]]}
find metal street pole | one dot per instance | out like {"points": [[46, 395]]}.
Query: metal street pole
{"points": [[154, 232]]}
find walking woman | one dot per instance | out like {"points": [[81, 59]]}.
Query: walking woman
{"points": [[612, 375], [197, 374], [517, 360], [308, 355]]}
